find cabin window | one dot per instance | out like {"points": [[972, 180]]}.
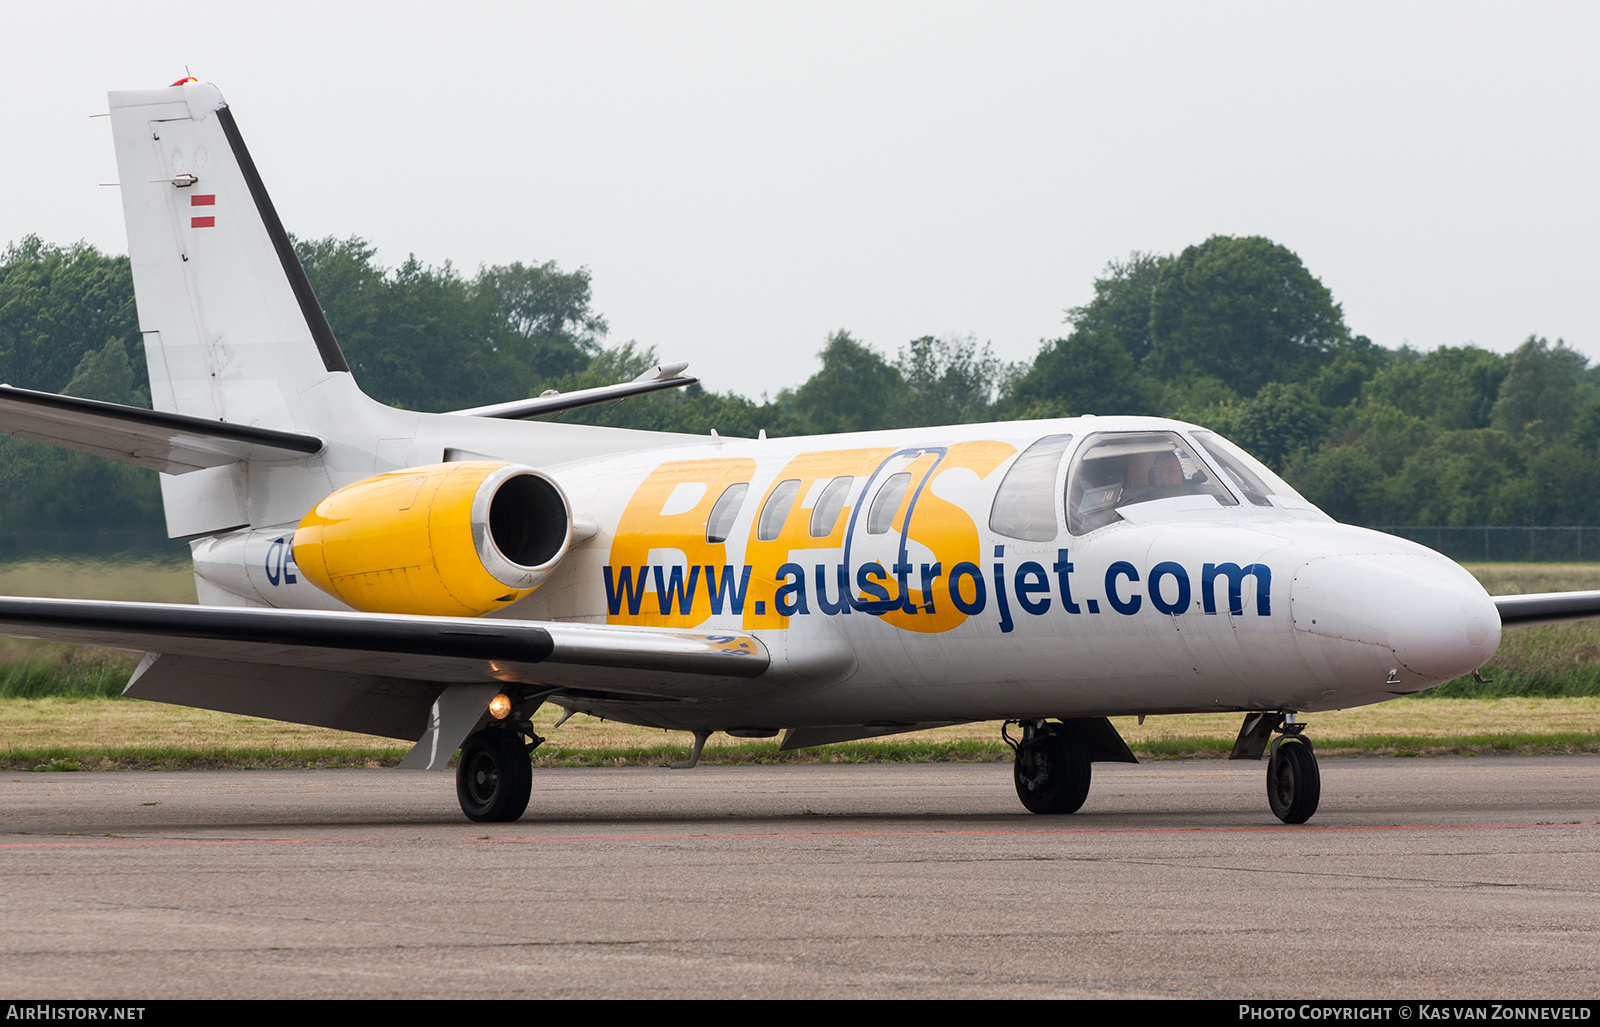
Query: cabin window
{"points": [[887, 503], [776, 509], [1119, 469], [1025, 505], [829, 506], [720, 523]]}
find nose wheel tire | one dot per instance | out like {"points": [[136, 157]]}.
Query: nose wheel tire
{"points": [[494, 778], [1294, 785], [1051, 774]]}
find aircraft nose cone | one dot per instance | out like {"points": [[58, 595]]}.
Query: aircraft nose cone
{"points": [[1432, 614]]}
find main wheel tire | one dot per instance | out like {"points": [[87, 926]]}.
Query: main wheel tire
{"points": [[1294, 784], [494, 778], [1052, 775]]}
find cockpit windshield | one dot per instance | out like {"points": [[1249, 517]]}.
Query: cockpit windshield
{"points": [[1118, 469], [1252, 480]]}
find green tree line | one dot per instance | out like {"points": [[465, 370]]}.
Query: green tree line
{"points": [[1231, 333]]}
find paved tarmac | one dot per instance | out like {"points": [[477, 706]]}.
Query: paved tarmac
{"points": [[1419, 878]]}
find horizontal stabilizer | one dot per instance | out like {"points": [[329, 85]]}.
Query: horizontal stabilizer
{"points": [[161, 441], [554, 404], [1546, 608]]}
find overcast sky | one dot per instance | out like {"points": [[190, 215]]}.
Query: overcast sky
{"points": [[743, 178]]}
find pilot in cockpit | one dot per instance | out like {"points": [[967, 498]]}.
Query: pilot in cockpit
{"points": [[1165, 477], [1117, 470], [1166, 480]]}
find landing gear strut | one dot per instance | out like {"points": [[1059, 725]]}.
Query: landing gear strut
{"points": [[1051, 772], [1294, 785], [494, 778]]}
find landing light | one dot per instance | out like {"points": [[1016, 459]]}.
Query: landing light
{"points": [[500, 706]]}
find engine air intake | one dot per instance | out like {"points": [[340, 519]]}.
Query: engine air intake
{"points": [[528, 520], [454, 539]]}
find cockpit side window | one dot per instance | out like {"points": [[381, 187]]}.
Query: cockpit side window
{"points": [[1118, 469], [1254, 481], [1025, 505]]}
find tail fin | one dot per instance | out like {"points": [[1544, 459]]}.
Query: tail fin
{"points": [[223, 301], [232, 330]]}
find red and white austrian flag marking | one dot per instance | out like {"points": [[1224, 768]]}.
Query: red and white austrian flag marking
{"points": [[203, 200]]}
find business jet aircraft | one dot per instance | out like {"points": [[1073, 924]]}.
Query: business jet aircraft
{"points": [[438, 577]]}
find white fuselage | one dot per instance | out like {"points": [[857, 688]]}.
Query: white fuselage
{"points": [[1188, 603]]}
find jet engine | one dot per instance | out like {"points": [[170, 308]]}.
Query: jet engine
{"points": [[456, 539]]}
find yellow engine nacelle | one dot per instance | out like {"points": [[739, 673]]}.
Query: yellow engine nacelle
{"points": [[456, 539]]}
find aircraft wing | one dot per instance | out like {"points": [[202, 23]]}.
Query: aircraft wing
{"points": [[1546, 608], [380, 673], [170, 443]]}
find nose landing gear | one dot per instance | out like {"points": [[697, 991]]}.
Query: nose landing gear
{"points": [[1294, 784]]}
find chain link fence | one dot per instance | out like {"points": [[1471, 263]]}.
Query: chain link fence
{"points": [[1530, 544]]}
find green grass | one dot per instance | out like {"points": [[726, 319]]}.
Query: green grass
{"points": [[32, 670], [149, 581], [63, 759], [1555, 661], [910, 750], [1549, 661], [70, 673]]}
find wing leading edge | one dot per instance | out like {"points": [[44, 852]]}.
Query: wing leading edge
{"points": [[379, 673], [1546, 608]]}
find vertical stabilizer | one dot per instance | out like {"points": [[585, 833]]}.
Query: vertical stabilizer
{"points": [[231, 327]]}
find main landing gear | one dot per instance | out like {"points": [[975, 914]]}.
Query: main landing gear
{"points": [[494, 779], [1294, 785], [1051, 766], [1051, 774]]}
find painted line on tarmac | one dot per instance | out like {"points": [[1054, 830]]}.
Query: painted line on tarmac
{"points": [[1001, 833], [129, 843], [706, 836]]}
